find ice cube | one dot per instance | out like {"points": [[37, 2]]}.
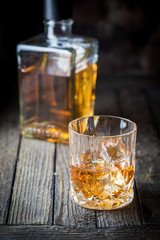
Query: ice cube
{"points": [[92, 161], [114, 153]]}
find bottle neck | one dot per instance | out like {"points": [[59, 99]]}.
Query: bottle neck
{"points": [[57, 28]]}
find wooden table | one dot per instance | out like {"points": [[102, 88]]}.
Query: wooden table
{"points": [[34, 199]]}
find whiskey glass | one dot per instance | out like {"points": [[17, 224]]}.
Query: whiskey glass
{"points": [[102, 161]]}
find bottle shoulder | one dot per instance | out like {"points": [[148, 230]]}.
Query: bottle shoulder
{"points": [[40, 44], [71, 41], [79, 46]]}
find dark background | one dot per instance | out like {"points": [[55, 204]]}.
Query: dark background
{"points": [[128, 34]]}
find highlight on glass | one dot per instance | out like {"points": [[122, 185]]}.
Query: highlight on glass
{"points": [[102, 161]]}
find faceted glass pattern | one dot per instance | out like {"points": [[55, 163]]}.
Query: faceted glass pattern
{"points": [[102, 161]]}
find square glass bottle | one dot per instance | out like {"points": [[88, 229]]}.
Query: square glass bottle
{"points": [[57, 78]]}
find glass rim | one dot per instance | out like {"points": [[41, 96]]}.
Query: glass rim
{"points": [[107, 116]]}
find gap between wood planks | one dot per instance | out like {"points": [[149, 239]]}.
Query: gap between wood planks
{"points": [[54, 180]]}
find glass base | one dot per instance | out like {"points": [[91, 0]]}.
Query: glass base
{"points": [[49, 133], [104, 207]]}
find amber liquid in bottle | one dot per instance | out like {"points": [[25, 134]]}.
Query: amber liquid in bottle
{"points": [[46, 101], [84, 96]]}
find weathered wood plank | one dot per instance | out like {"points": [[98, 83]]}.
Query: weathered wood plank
{"points": [[108, 104], [127, 216], [148, 154], [57, 232], [66, 212], [32, 199], [9, 140]]}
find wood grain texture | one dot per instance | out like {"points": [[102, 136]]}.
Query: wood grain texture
{"points": [[127, 216], [57, 232], [130, 215], [148, 154], [32, 198], [66, 212], [9, 140]]}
